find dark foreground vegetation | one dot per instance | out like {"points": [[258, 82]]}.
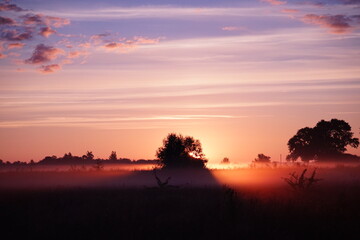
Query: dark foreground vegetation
{"points": [[330, 209]]}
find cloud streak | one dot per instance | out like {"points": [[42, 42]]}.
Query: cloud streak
{"points": [[49, 68], [15, 45], [275, 2], [126, 44]]}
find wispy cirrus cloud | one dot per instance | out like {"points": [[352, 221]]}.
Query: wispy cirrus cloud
{"points": [[232, 28], [290, 10], [125, 44]]}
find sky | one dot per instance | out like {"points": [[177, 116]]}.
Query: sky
{"points": [[240, 76]]}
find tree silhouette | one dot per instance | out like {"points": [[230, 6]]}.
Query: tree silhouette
{"points": [[225, 160], [89, 156], [262, 158], [327, 140], [178, 152], [113, 156]]}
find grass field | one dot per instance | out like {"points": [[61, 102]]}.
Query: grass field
{"points": [[217, 204]]}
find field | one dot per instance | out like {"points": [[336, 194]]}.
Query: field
{"points": [[248, 203]]}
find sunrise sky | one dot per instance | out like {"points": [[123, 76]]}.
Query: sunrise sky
{"points": [[109, 75]]}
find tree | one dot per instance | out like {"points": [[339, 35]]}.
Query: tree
{"points": [[113, 156], [178, 151], [89, 156], [225, 160], [262, 158], [327, 140]]}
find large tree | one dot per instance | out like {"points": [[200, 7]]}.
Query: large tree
{"points": [[179, 151], [328, 140]]}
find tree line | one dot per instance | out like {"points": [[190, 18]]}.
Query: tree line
{"points": [[327, 141], [86, 159]]}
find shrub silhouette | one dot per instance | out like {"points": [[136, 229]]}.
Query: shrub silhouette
{"points": [[181, 152], [301, 182]]}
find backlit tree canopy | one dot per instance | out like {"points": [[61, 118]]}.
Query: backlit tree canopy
{"points": [[328, 140], [179, 151]]}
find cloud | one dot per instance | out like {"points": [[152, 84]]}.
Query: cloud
{"points": [[14, 35], [288, 10], [15, 45], [43, 53], [350, 2], [99, 36], [30, 18], [6, 21], [40, 19], [144, 40], [131, 43], [49, 68], [76, 54], [10, 7], [114, 45], [232, 28], [2, 56], [56, 21], [46, 31], [85, 45], [274, 2], [337, 24]]}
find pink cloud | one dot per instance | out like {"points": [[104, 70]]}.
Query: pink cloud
{"points": [[14, 35], [2, 56], [114, 45], [29, 19], [46, 31], [6, 21], [232, 28], [76, 54], [275, 2], [49, 68], [85, 45], [43, 53], [337, 24], [145, 40], [67, 61], [130, 43], [15, 45], [40, 19], [288, 10], [10, 7], [56, 21]]}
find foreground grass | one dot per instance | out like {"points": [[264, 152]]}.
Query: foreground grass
{"points": [[184, 213]]}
